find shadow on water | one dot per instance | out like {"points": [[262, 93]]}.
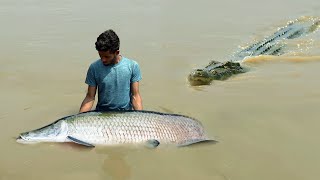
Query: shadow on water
{"points": [[74, 146], [114, 164], [167, 110]]}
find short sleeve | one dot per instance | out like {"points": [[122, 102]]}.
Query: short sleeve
{"points": [[136, 74], [90, 79]]}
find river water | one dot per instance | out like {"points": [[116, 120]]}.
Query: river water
{"points": [[266, 120]]}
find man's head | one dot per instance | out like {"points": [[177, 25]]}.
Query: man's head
{"points": [[108, 45]]}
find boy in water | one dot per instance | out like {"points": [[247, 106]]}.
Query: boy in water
{"points": [[114, 76]]}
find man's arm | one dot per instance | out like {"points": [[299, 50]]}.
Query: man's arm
{"points": [[88, 101], [135, 96]]}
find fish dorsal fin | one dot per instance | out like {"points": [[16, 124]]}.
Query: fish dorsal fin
{"points": [[75, 140]]}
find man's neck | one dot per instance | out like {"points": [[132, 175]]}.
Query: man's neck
{"points": [[119, 57]]}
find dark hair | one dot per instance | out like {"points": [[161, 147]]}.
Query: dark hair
{"points": [[108, 41]]}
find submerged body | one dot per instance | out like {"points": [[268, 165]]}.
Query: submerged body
{"points": [[271, 45], [120, 127]]}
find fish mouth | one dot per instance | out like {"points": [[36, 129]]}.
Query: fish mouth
{"points": [[19, 137], [23, 140]]}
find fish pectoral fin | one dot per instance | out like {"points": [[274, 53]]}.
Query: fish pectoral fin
{"points": [[75, 140], [198, 141], [152, 143]]}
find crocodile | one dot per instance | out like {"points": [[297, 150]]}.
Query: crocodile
{"points": [[273, 45]]}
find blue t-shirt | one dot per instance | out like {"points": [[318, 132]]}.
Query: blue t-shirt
{"points": [[113, 82]]}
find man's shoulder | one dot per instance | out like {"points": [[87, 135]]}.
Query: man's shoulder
{"points": [[129, 61], [95, 63]]}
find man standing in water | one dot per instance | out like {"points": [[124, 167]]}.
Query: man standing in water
{"points": [[115, 77]]}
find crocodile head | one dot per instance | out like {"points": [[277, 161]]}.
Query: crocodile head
{"points": [[214, 71], [199, 77]]}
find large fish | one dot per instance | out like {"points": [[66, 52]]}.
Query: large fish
{"points": [[120, 127]]}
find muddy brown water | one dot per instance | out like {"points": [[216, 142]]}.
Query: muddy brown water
{"points": [[266, 120]]}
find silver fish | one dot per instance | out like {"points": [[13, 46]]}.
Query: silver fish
{"points": [[120, 127]]}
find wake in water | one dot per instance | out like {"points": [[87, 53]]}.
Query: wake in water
{"points": [[300, 44], [266, 58], [290, 41]]}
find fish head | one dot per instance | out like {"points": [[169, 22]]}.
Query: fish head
{"points": [[55, 132]]}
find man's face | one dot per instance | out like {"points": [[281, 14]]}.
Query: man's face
{"points": [[108, 58]]}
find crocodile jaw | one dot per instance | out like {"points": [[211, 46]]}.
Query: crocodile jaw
{"points": [[199, 77]]}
